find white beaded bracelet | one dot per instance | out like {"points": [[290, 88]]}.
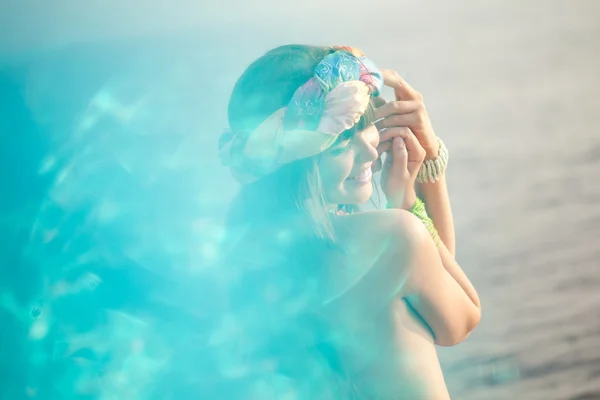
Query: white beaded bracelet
{"points": [[432, 171]]}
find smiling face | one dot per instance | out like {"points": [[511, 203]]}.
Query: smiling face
{"points": [[345, 168]]}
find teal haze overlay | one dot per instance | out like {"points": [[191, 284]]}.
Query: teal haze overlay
{"points": [[112, 198]]}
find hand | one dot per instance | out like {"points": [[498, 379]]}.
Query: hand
{"points": [[403, 158], [408, 110]]}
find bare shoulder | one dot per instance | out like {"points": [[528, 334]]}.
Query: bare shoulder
{"points": [[377, 247], [379, 226]]}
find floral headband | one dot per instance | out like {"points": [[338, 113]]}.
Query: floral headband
{"points": [[329, 103]]}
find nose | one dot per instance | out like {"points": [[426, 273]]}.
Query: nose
{"points": [[369, 139]]}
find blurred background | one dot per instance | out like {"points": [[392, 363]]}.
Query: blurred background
{"points": [[112, 192]]}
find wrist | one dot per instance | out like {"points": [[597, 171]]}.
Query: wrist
{"points": [[428, 186], [409, 200], [428, 190], [404, 202], [432, 152], [433, 169]]}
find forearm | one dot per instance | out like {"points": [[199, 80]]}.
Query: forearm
{"points": [[456, 272], [437, 202], [440, 292]]}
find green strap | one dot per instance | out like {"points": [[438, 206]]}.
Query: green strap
{"points": [[418, 209]]}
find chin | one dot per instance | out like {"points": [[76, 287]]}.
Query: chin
{"points": [[358, 196]]}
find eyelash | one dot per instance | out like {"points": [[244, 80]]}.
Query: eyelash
{"points": [[341, 148]]}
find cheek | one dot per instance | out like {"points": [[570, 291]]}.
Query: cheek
{"points": [[334, 170]]}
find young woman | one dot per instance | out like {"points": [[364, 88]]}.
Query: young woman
{"points": [[328, 301]]}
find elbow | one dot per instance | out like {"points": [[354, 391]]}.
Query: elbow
{"points": [[460, 332]]}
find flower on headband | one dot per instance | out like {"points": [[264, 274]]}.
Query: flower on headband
{"points": [[320, 110]]}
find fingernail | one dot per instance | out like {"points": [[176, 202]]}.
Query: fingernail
{"points": [[400, 142]]}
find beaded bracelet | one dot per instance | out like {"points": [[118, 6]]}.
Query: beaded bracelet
{"points": [[431, 171]]}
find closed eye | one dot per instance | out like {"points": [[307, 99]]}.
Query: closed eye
{"points": [[340, 148]]}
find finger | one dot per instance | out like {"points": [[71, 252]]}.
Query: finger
{"points": [[383, 147], [397, 107], [387, 134], [411, 119], [399, 154], [390, 77], [402, 89], [416, 152], [406, 92]]}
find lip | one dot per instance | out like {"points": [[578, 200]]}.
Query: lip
{"points": [[364, 176]]}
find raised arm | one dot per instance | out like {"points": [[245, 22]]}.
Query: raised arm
{"points": [[437, 203], [407, 118], [391, 254], [449, 306]]}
